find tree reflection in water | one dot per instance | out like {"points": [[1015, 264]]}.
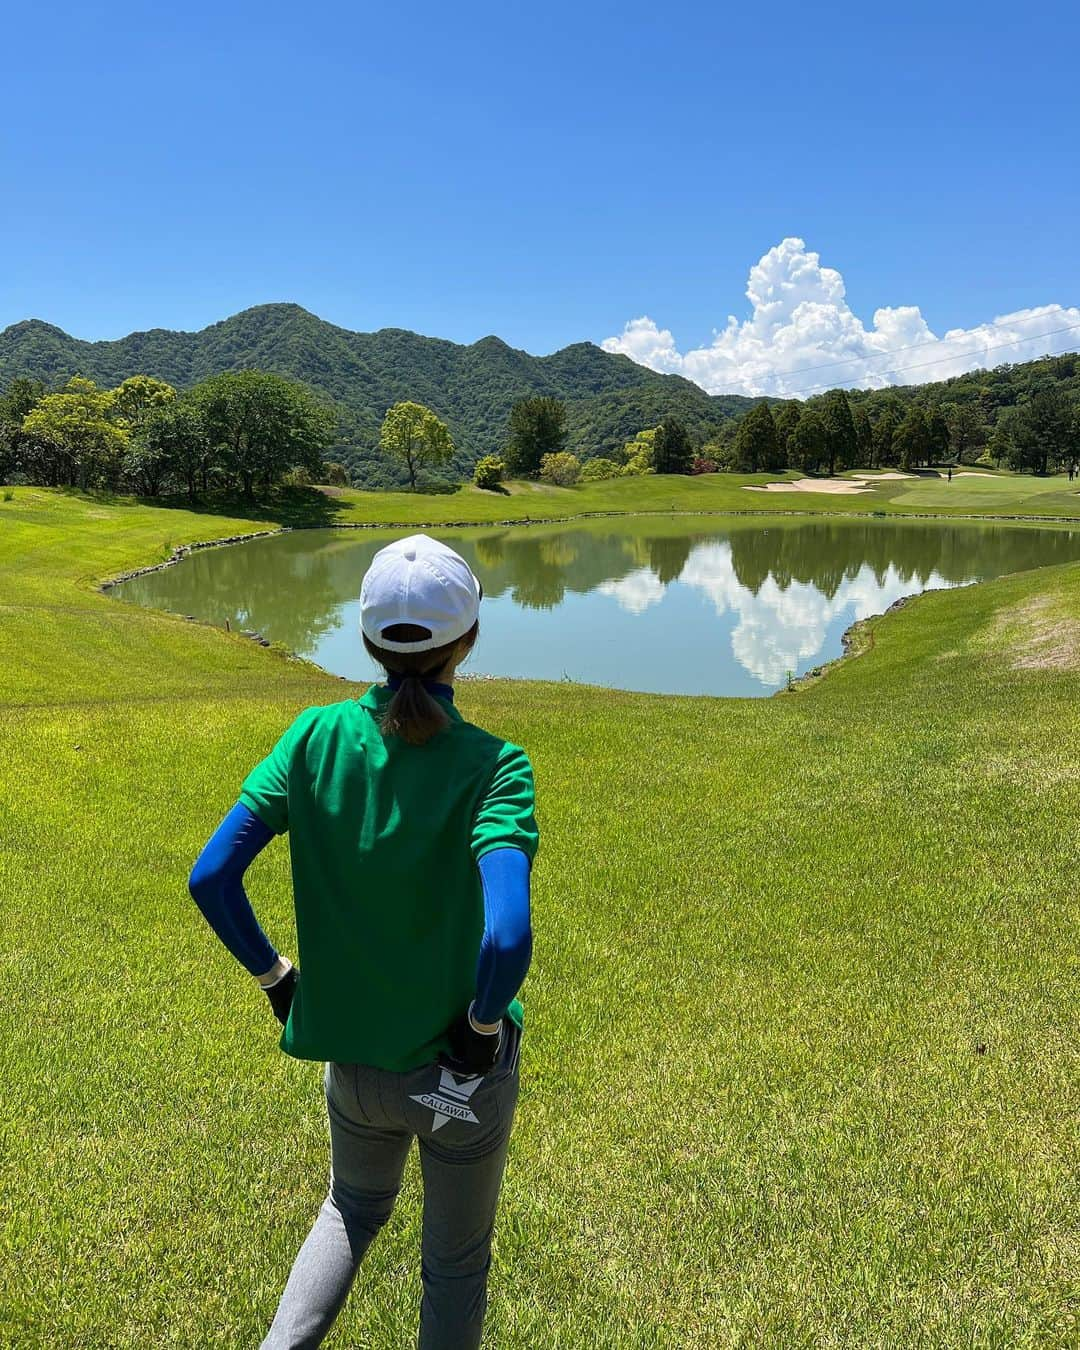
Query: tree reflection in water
{"points": [[732, 605]]}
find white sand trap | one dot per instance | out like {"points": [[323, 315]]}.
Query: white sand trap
{"points": [[973, 473], [880, 475], [841, 486]]}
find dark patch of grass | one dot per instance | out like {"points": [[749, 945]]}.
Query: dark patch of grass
{"points": [[296, 507]]}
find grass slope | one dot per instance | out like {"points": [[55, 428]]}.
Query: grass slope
{"points": [[800, 1066]]}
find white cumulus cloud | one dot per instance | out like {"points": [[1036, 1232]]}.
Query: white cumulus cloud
{"points": [[801, 321]]}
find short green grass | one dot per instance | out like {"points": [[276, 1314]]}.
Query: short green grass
{"points": [[978, 494], [800, 1064], [1003, 494]]}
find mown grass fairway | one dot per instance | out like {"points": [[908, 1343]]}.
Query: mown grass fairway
{"points": [[800, 1065], [1002, 494]]}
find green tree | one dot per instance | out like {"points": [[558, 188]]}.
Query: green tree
{"points": [[414, 435], [672, 451], [638, 454], [77, 425], [138, 397], [173, 445], [967, 430], [489, 472], [937, 435], [757, 446], [262, 425], [22, 396], [596, 469], [884, 437], [721, 454], [809, 448], [786, 420], [537, 428], [721, 446], [1074, 437], [560, 469], [135, 403], [145, 468], [912, 440], [1000, 446], [864, 436], [841, 441], [334, 474], [1042, 432]]}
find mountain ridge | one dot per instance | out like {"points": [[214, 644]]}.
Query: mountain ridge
{"points": [[472, 386]]}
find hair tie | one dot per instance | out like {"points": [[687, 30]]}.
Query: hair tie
{"points": [[424, 676]]}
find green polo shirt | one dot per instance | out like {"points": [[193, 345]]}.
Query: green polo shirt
{"points": [[384, 839]]}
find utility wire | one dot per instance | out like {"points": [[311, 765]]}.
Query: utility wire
{"points": [[930, 342], [922, 365]]}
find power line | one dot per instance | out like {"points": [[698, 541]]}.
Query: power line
{"points": [[922, 365], [931, 342]]}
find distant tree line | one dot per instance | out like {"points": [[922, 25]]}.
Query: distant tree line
{"points": [[994, 416], [238, 431], [835, 432], [1024, 417], [250, 430], [830, 434], [826, 435], [536, 448]]}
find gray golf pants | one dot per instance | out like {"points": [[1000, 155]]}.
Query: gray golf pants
{"points": [[463, 1128]]}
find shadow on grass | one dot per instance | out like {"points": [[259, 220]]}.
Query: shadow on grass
{"points": [[436, 487], [296, 506]]}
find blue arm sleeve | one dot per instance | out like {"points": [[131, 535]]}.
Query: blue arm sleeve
{"points": [[506, 947], [217, 887]]}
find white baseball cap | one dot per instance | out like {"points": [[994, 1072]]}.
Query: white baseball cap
{"points": [[421, 582]]}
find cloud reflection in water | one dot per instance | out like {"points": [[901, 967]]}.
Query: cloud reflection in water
{"points": [[779, 627]]}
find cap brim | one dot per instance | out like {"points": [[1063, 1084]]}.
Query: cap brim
{"points": [[424, 644]]}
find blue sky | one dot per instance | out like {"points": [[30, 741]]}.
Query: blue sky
{"points": [[546, 173]]}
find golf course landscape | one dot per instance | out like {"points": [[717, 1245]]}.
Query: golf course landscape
{"points": [[800, 1064]]}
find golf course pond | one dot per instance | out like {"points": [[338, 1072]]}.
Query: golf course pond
{"points": [[670, 604]]}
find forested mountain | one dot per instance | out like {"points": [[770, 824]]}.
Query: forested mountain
{"points": [[609, 398], [1002, 387]]}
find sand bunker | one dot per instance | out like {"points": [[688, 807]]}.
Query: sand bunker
{"points": [[860, 482], [844, 486]]}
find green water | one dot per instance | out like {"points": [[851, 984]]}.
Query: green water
{"points": [[673, 604]]}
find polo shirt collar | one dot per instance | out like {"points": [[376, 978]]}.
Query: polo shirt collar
{"points": [[435, 687]]}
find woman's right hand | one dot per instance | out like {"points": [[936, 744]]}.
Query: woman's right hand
{"points": [[473, 1051], [281, 994]]}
